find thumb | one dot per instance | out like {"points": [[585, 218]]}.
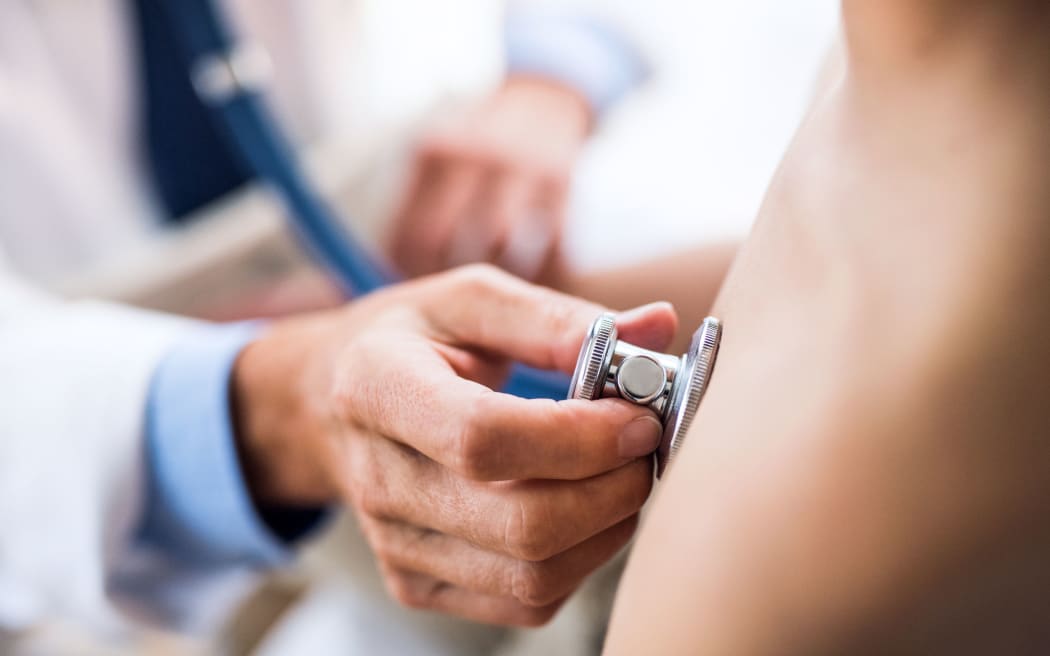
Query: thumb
{"points": [[482, 307]]}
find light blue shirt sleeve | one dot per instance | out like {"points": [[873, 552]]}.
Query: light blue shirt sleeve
{"points": [[198, 508], [574, 49]]}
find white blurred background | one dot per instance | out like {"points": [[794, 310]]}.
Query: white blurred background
{"points": [[685, 158], [689, 156]]}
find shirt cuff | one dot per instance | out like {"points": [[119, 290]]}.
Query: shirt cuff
{"points": [[198, 508], [577, 50]]}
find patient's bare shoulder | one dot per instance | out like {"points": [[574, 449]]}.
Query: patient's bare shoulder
{"points": [[867, 472]]}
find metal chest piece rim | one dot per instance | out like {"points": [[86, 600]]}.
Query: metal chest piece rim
{"points": [[592, 365], [690, 386], [687, 378]]}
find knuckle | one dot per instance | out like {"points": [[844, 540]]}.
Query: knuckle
{"points": [[567, 319], [369, 503], [527, 533], [369, 494], [413, 591], [474, 451], [404, 590], [380, 541], [626, 491], [534, 584], [479, 278], [563, 315], [383, 550]]}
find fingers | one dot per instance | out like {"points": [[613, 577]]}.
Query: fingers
{"points": [[516, 234], [550, 206], [529, 231], [502, 224], [534, 520], [485, 308], [535, 584], [440, 197], [474, 198], [506, 438], [486, 435], [481, 235], [651, 326], [529, 246], [425, 592], [526, 520]]}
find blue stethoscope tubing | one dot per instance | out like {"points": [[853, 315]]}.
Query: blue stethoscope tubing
{"points": [[254, 136]]}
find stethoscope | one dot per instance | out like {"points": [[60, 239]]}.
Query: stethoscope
{"points": [[229, 79], [672, 386]]}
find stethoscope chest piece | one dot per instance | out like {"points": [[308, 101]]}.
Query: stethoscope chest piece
{"points": [[672, 386]]}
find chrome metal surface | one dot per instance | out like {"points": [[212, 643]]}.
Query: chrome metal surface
{"points": [[698, 364], [592, 365], [640, 379], [672, 386]]}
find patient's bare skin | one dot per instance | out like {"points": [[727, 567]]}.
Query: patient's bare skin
{"points": [[870, 469], [689, 280]]}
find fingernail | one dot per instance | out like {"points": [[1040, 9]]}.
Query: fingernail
{"points": [[641, 310], [640, 437]]}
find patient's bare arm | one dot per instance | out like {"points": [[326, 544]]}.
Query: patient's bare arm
{"points": [[870, 469], [689, 280]]}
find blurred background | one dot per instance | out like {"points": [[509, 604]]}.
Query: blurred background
{"points": [[682, 158]]}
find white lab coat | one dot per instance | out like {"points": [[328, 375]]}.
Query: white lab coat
{"points": [[74, 375]]}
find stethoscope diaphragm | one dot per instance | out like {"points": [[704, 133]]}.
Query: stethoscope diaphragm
{"points": [[672, 386]]}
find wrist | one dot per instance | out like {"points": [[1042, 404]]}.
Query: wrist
{"points": [[272, 426]]}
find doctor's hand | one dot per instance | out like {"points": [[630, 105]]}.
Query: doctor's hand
{"points": [[492, 186], [475, 503]]}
